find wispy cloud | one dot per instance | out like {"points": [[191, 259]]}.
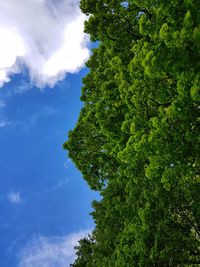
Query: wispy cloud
{"points": [[56, 186], [14, 197], [4, 123], [27, 125], [44, 36], [45, 251], [67, 163], [21, 88], [43, 112], [2, 104]]}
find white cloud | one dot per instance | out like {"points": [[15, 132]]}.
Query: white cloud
{"points": [[44, 36], [45, 251], [15, 197]]}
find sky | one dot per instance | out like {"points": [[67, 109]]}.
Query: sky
{"points": [[44, 202]]}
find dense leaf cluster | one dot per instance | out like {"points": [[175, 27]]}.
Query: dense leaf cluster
{"points": [[137, 140]]}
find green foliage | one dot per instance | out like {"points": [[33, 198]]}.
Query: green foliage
{"points": [[137, 138]]}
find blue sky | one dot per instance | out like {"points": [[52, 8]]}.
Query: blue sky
{"points": [[44, 202]]}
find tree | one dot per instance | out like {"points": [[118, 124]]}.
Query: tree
{"points": [[137, 139]]}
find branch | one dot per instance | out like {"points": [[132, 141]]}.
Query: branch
{"points": [[190, 222]]}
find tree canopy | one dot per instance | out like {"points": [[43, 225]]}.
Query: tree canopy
{"points": [[137, 140]]}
